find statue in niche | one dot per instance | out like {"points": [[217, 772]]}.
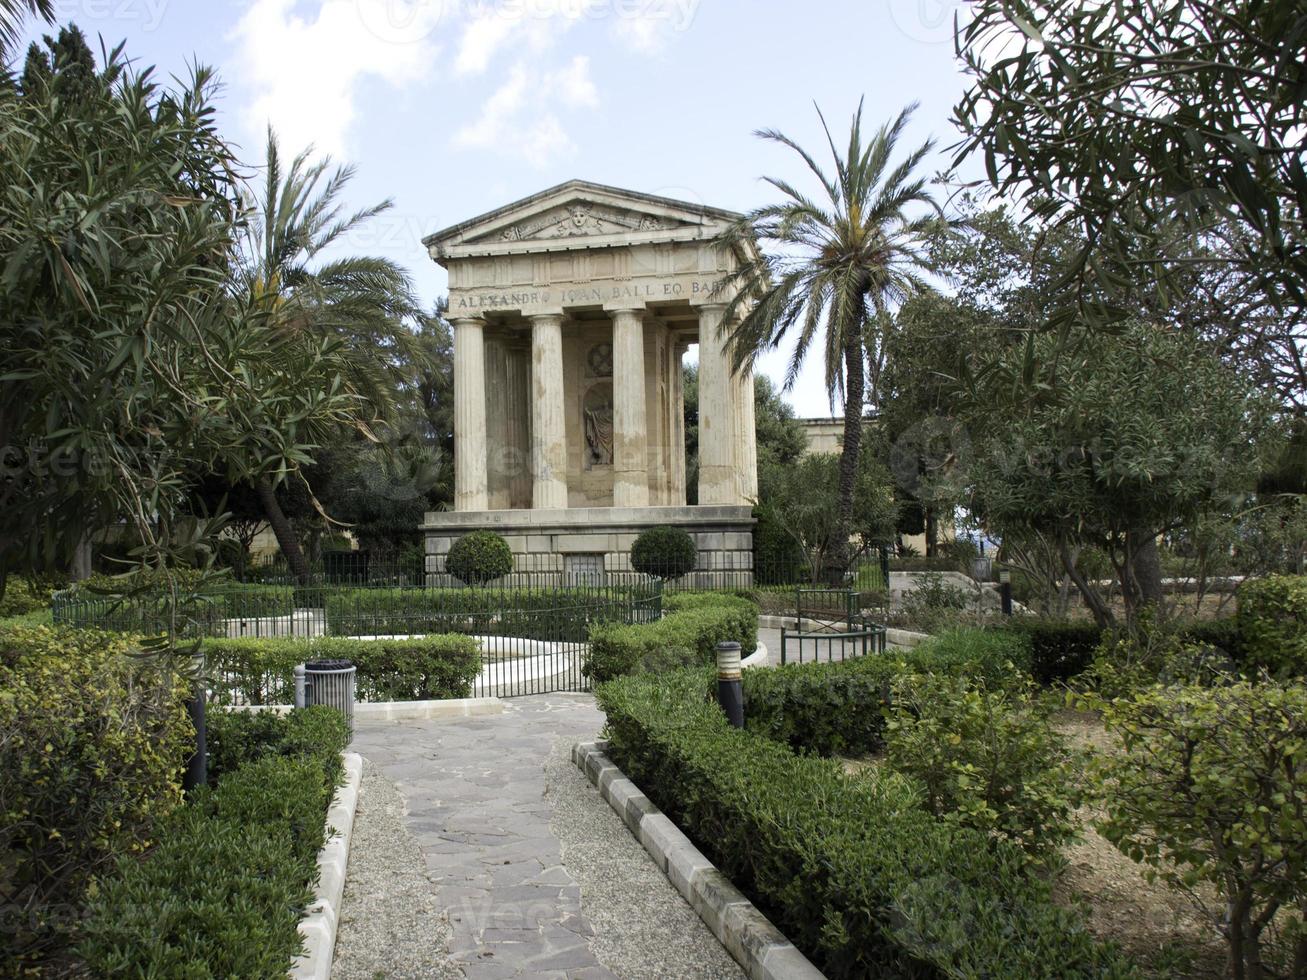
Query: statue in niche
{"points": [[598, 417]]}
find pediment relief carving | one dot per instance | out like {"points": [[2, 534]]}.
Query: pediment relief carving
{"points": [[580, 219]]}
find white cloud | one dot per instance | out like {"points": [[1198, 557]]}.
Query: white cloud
{"points": [[645, 25], [303, 71], [518, 116]]}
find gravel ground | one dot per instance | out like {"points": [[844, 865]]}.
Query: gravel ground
{"points": [[642, 926], [391, 926]]}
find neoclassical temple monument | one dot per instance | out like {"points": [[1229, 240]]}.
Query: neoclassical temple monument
{"points": [[572, 309]]}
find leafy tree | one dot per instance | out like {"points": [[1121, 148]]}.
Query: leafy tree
{"points": [[827, 266], [357, 304], [1169, 135], [1110, 445], [802, 500], [129, 364]]}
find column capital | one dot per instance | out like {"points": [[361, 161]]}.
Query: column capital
{"points": [[469, 320], [717, 306], [635, 306], [548, 316]]}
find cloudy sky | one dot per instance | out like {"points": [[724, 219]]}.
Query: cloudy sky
{"points": [[454, 107]]}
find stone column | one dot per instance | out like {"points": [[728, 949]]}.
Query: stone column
{"points": [[548, 429], [718, 478], [518, 456], [469, 414], [630, 463], [678, 425], [749, 437]]}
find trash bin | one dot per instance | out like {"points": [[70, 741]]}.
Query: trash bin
{"points": [[329, 682]]}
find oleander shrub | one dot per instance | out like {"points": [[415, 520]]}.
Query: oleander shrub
{"points": [[1059, 649], [1272, 621], [679, 639], [1210, 786], [840, 708], [986, 758], [664, 552], [479, 557], [222, 892], [93, 741], [852, 870], [262, 671]]}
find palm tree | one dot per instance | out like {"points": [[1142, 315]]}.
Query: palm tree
{"points": [[357, 304], [12, 13], [828, 266]]}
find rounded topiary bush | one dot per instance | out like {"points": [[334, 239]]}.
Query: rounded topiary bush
{"points": [[664, 552], [478, 557]]}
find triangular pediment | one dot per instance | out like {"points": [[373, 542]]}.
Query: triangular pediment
{"points": [[579, 213]]}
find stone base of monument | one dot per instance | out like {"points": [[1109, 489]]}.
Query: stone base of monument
{"points": [[584, 545]]}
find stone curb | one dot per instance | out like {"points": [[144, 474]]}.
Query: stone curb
{"points": [[318, 927], [756, 944], [404, 710]]}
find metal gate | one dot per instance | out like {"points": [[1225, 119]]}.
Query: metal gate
{"points": [[829, 626]]}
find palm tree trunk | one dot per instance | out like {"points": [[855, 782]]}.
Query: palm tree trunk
{"points": [[281, 528], [854, 383]]}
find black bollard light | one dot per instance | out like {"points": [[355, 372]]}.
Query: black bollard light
{"points": [[730, 690], [1005, 590], [197, 766]]}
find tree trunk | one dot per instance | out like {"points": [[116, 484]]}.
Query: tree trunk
{"points": [[854, 384], [81, 568], [282, 529], [1141, 584], [932, 533], [1102, 612]]}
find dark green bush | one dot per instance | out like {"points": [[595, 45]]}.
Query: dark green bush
{"points": [[664, 552], [93, 739], [236, 737], [1223, 634], [839, 708], [1272, 622], [1059, 649], [479, 557], [853, 871], [262, 671], [678, 639], [23, 597], [222, 893]]}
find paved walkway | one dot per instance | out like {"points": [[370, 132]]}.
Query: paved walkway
{"points": [[494, 806]]}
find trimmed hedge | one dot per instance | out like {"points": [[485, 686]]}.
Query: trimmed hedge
{"points": [[851, 870], [839, 708], [223, 892], [1059, 649], [679, 639], [93, 740], [262, 671], [537, 614], [681, 601], [1272, 623]]}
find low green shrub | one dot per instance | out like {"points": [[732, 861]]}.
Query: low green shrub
{"points": [[135, 603], [93, 740], [479, 557], [1210, 786], [1223, 634], [23, 597], [1272, 621], [538, 614], [681, 601], [236, 737], [839, 708], [664, 552], [853, 871], [679, 639], [262, 671], [222, 893], [1059, 649], [987, 759]]}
